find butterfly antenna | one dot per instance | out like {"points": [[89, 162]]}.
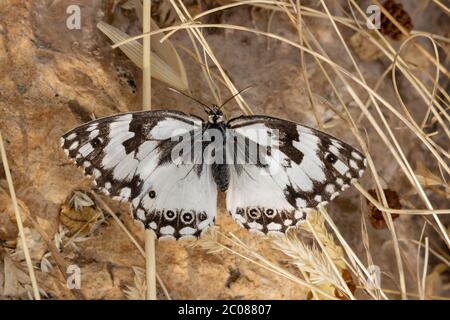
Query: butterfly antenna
{"points": [[204, 105], [233, 96]]}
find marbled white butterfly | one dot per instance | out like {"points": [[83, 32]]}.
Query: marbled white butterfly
{"points": [[272, 178]]}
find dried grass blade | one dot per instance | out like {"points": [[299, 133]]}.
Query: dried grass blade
{"points": [[166, 65]]}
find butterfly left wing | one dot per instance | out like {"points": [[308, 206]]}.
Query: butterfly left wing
{"points": [[295, 169], [130, 159]]}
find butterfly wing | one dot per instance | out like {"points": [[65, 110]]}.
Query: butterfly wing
{"points": [[130, 157], [296, 169]]}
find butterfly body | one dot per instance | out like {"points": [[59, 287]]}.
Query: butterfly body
{"points": [[169, 166], [220, 170]]}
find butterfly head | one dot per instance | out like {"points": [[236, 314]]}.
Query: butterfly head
{"points": [[215, 114]]}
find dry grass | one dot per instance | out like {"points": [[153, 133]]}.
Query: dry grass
{"points": [[322, 262]]}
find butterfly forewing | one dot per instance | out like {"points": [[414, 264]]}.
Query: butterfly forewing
{"points": [[302, 169], [130, 158]]}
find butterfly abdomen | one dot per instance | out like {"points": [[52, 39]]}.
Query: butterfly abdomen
{"points": [[221, 176]]}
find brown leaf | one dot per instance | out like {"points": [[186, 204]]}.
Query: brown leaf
{"points": [[375, 215]]}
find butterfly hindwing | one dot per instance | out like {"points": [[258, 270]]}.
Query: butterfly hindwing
{"points": [[129, 157], [180, 201], [301, 168]]}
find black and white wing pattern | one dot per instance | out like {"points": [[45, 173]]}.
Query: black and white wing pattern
{"points": [[130, 159], [296, 169]]}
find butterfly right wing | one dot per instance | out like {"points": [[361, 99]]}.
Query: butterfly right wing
{"points": [[283, 170], [130, 158]]}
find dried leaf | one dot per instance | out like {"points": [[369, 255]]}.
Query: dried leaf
{"points": [[398, 13], [138, 291], [426, 177], [80, 215], [166, 64], [364, 48], [347, 276], [79, 221]]}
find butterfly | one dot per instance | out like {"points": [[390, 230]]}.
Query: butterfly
{"points": [[170, 167]]}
